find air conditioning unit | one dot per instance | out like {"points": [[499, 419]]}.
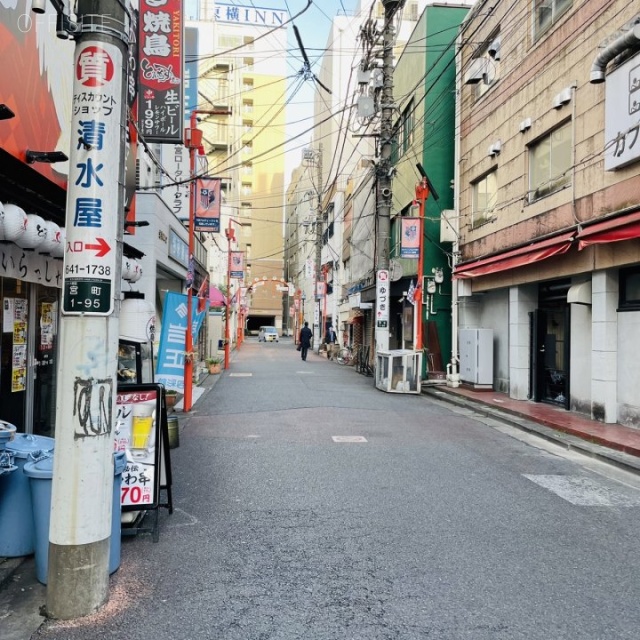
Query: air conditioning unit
{"points": [[476, 71]]}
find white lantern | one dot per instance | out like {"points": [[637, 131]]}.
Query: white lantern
{"points": [[34, 234], [131, 270], [58, 250], [54, 238], [14, 223], [137, 318]]}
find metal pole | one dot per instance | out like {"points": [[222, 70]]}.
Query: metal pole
{"points": [[227, 318], [422, 193], [317, 338], [188, 346], [83, 472]]}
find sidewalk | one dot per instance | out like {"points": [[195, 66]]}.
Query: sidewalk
{"points": [[613, 443]]}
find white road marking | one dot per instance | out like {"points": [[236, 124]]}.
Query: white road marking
{"points": [[348, 438], [240, 375], [584, 492]]}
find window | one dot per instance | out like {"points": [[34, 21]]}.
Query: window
{"points": [[485, 197], [630, 289], [408, 124], [549, 163], [547, 13]]}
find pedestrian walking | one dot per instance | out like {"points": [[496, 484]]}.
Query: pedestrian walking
{"points": [[330, 339], [305, 340]]}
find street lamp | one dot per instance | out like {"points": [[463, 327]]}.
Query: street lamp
{"points": [[193, 142]]}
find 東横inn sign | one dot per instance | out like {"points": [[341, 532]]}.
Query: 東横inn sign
{"points": [[250, 15]]}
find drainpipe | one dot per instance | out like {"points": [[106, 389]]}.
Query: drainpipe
{"points": [[629, 39]]}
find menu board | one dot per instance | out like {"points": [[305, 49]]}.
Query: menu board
{"points": [[138, 432]]}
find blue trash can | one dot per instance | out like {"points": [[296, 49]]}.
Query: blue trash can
{"points": [[7, 431], [40, 474], [17, 537]]}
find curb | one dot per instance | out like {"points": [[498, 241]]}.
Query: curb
{"points": [[619, 459]]}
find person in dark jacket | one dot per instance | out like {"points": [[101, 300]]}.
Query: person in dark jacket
{"points": [[305, 340]]}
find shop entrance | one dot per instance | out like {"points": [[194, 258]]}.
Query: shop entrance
{"points": [[549, 362]]}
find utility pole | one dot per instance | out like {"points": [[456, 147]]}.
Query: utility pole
{"points": [[83, 470], [384, 173], [317, 337]]}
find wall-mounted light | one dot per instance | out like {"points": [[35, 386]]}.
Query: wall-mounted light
{"points": [[6, 113], [49, 157]]}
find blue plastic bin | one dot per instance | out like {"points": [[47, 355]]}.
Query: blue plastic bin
{"points": [[40, 474], [7, 430], [17, 537]]}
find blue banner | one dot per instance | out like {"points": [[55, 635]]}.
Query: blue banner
{"points": [[171, 352]]}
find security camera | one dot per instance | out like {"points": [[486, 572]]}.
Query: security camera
{"points": [[38, 6]]}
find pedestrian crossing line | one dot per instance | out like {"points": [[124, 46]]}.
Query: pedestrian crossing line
{"points": [[344, 439], [585, 492]]}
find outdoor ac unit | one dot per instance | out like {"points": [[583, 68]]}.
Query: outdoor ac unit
{"points": [[476, 71]]}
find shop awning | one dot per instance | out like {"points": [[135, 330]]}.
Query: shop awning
{"points": [[621, 228], [516, 257], [216, 297]]}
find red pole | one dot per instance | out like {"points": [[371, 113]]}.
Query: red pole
{"points": [[422, 193], [188, 347], [227, 346]]}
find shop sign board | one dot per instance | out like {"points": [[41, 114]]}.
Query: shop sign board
{"points": [[382, 299], [160, 117], [92, 202]]}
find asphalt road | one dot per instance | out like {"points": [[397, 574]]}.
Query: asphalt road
{"points": [[437, 526]]}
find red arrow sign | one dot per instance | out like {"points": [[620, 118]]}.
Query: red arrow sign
{"points": [[102, 247]]}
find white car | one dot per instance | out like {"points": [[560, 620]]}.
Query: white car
{"points": [[268, 334]]}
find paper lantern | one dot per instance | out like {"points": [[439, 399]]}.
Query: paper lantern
{"points": [[14, 223], [131, 270], [35, 233], [58, 250], [137, 318], [54, 238]]}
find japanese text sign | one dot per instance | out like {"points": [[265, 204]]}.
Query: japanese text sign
{"points": [[160, 117], [92, 199], [382, 298]]}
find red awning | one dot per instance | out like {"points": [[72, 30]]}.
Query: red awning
{"points": [[216, 297], [622, 228], [516, 257]]}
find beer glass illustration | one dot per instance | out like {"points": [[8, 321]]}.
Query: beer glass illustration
{"points": [[142, 434]]}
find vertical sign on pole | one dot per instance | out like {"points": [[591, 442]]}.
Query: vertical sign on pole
{"points": [[382, 310], [161, 110], [90, 258]]}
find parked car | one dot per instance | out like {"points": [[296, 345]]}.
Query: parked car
{"points": [[268, 334]]}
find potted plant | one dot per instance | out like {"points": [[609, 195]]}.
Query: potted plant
{"points": [[171, 396], [214, 364]]}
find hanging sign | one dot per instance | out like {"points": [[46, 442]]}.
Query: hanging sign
{"points": [[92, 204], [207, 209], [237, 265], [382, 299], [410, 238], [160, 117]]}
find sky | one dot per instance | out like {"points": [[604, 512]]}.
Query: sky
{"points": [[313, 26]]}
